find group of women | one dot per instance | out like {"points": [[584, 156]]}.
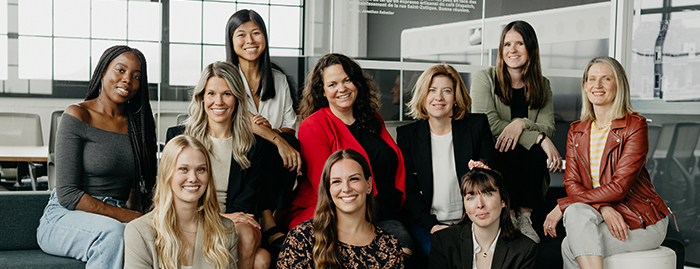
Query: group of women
{"points": [[222, 197]]}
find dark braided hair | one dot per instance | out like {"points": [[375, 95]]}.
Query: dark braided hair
{"points": [[266, 88], [365, 107], [139, 121]]}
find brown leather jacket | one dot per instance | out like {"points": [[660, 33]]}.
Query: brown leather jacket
{"points": [[624, 180]]}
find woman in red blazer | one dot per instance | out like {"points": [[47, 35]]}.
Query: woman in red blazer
{"points": [[339, 108], [611, 206]]}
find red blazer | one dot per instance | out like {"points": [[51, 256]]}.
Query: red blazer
{"points": [[320, 135], [624, 180]]}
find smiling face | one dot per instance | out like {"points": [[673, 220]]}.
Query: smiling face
{"points": [[338, 89], [248, 42], [219, 102], [484, 209], [515, 54], [190, 179], [349, 187], [441, 97], [601, 86], [121, 80]]}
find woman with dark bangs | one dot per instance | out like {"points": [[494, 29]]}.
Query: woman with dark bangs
{"points": [[486, 236], [342, 233], [518, 102]]}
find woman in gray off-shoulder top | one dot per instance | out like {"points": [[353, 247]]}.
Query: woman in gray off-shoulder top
{"points": [[105, 156]]}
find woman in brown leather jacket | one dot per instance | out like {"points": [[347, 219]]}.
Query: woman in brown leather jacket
{"points": [[608, 185]]}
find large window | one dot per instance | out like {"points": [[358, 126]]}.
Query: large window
{"points": [[49, 48]]}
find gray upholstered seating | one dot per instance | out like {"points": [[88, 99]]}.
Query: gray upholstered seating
{"points": [[19, 217]]}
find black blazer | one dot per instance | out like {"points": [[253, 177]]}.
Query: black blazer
{"points": [[243, 184], [472, 140], [453, 248]]}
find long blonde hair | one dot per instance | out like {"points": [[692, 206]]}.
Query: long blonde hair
{"points": [[168, 241], [197, 124], [622, 102]]}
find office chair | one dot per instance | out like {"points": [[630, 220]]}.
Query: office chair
{"points": [[51, 162]]}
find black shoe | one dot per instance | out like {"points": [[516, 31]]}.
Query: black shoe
{"points": [[275, 245]]}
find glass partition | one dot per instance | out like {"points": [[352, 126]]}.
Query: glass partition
{"points": [[664, 70]]}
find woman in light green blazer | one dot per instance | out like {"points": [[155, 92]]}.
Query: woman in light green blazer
{"points": [[518, 102]]}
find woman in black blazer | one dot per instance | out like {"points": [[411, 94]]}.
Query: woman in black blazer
{"points": [[437, 148], [219, 118], [486, 237]]}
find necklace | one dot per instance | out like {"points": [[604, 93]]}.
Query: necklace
{"points": [[604, 126], [485, 254]]}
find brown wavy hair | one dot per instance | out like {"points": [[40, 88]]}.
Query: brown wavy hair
{"points": [[365, 107], [532, 70], [325, 253]]}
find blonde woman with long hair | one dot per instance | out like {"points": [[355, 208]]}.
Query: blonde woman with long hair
{"points": [[218, 117], [342, 233], [612, 206], [184, 229]]}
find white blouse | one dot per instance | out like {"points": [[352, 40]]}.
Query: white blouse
{"points": [[477, 248], [278, 111], [447, 203]]}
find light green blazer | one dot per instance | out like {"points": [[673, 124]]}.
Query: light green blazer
{"points": [[484, 100], [140, 248]]}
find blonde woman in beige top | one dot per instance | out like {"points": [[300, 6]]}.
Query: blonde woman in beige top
{"points": [[184, 229]]}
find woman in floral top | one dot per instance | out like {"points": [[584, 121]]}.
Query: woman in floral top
{"points": [[342, 233]]}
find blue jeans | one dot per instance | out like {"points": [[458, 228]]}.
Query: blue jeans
{"points": [[92, 238], [588, 234], [422, 238]]}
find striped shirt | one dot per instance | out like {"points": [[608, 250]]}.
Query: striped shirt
{"points": [[597, 145]]}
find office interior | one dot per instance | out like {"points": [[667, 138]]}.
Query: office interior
{"points": [[48, 50]]}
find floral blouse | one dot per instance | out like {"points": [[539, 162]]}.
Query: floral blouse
{"points": [[383, 252]]}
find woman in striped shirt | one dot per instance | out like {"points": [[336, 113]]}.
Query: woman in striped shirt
{"points": [[611, 206]]}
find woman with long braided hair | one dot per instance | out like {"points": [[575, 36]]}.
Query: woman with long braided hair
{"points": [[105, 156]]}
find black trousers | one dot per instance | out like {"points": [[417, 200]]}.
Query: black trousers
{"points": [[277, 181], [524, 172]]}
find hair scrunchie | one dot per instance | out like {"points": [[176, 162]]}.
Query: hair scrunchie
{"points": [[477, 164]]}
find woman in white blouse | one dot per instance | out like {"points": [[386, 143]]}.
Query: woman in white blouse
{"points": [[272, 114]]}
